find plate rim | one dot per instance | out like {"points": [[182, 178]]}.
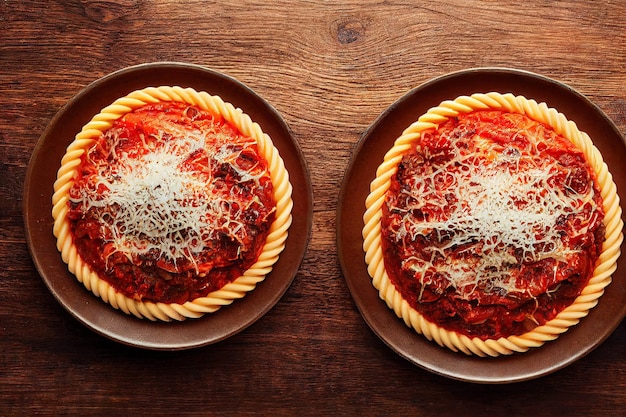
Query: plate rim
{"points": [[371, 318], [302, 238]]}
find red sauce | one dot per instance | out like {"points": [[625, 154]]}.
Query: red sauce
{"points": [[522, 290], [225, 172]]}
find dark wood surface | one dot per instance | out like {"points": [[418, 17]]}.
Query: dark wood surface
{"points": [[330, 68]]}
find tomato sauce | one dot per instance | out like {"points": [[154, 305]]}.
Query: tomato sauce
{"points": [[171, 203], [492, 225]]}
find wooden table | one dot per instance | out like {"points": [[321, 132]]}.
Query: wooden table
{"points": [[330, 68]]}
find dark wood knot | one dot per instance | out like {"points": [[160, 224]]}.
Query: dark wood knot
{"points": [[103, 11], [349, 31]]}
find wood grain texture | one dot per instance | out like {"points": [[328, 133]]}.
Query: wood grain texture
{"points": [[330, 68]]}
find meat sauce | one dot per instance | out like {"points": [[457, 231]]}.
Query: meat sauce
{"points": [[492, 225], [171, 203]]}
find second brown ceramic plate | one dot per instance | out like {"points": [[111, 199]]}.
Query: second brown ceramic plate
{"points": [[375, 142], [90, 310]]}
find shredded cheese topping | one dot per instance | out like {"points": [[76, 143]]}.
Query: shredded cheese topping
{"points": [[497, 205], [161, 197]]}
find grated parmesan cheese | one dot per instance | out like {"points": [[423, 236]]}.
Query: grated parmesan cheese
{"points": [[160, 196], [495, 206]]}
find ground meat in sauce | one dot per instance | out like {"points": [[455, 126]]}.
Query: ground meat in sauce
{"points": [[239, 178], [416, 263]]}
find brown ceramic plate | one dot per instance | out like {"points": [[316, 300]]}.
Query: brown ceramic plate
{"points": [[90, 310], [368, 154]]}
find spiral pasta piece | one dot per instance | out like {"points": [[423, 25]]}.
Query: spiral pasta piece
{"points": [[571, 315], [276, 239]]}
